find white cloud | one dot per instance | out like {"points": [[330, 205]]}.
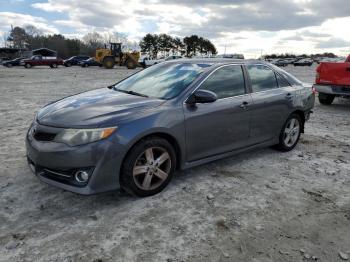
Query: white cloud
{"points": [[247, 26], [8, 18]]}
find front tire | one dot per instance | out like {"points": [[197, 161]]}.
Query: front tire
{"points": [[290, 133], [27, 65], [108, 62], [148, 167], [325, 99], [130, 64]]}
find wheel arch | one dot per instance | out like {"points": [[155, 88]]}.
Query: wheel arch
{"points": [[301, 114], [170, 138]]}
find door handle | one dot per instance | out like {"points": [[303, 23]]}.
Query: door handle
{"points": [[244, 105]]}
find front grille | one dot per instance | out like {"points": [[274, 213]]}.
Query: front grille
{"points": [[44, 136]]}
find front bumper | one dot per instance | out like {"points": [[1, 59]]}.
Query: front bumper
{"points": [[333, 90], [56, 164]]}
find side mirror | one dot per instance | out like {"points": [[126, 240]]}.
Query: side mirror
{"points": [[202, 96]]}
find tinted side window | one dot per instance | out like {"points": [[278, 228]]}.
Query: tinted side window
{"points": [[262, 78], [281, 81], [226, 82]]}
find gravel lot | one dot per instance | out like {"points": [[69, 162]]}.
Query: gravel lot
{"points": [[258, 206]]}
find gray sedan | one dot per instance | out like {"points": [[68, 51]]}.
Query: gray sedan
{"points": [[174, 115]]}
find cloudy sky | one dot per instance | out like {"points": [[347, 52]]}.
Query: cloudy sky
{"points": [[242, 26]]}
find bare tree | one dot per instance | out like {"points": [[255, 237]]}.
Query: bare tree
{"points": [[94, 40]]}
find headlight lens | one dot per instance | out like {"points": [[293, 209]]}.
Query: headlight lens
{"points": [[75, 137]]}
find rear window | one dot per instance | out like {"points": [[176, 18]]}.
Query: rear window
{"points": [[282, 82], [290, 78]]}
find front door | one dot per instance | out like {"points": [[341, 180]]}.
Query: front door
{"points": [[223, 125]]}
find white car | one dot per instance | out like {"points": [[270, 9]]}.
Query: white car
{"points": [[148, 61], [172, 57]]}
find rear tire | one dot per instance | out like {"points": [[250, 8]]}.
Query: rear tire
{"points": [[27, 65], [290, 133], [54, 65], [325, 99], [144, 173]]}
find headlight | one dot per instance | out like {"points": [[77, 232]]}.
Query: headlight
{"points": [[75, 137]]}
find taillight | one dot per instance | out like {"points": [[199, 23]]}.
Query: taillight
{"points": [[318, 74]]}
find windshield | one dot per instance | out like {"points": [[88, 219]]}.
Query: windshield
{"points": [[164, 81]]}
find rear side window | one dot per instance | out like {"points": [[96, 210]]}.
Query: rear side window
{"points": [[262, 78], [281, 81], [226, 82]]}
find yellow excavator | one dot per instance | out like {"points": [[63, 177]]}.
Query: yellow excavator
{"points": [[108, 57]]}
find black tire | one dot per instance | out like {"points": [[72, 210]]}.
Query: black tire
{"points": [[130, 64], [282, 145], [27, 65], [128, 180], [325, 99], [9, 65], [68, 64], [54, 65], [108, 62]]}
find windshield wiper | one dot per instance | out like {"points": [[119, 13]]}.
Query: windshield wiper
{"points": [[130, 92]]}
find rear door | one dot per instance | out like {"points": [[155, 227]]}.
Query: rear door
{"points": [[223, 125], [272, 102]]}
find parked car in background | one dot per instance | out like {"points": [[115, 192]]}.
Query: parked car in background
{"points": [[39, 60], [280, 62], [174, 115], [146, 61], [3, 59], [304, 62], [14, 62], [172, 57], [74, 60], [89, 62], [233, 56], [290, 60], [332, 79]]}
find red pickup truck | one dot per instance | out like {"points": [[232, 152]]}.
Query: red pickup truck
{"points": [[332, 79], [39, 60]]}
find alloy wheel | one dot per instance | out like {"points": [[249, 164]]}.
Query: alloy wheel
{"points": [[291, 132], [152, 168]]}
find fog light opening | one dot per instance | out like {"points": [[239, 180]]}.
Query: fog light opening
{"points": [[81, 176]]}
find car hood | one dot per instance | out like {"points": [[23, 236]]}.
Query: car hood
{"points": [[97, 108]]}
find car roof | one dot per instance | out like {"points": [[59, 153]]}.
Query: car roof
{"points": [[219, 61]]}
